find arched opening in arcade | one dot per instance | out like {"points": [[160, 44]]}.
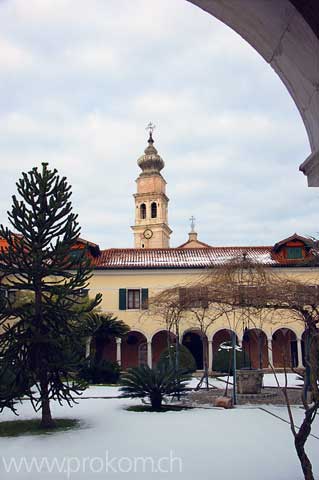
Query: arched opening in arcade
{"points": [[255, 348], [104, 348], [220, 356], [160, 342], [134, 350], [194, 342], [284, 348]]}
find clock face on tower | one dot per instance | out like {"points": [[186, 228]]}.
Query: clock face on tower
{"points": [[148, 233]]}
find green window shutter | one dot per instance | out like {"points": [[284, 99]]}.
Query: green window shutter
{"points": [[294, 252], [122, 299], [144, 298]]}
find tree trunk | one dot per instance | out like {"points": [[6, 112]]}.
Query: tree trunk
{"points": [[177, 366], [304, 460], [156, 401], [46, 420], [300, 440], [205, 361]]}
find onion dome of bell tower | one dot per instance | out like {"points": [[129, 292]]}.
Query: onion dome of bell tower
{"points": [[151, 161]]}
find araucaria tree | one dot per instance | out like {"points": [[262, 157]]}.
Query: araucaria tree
{"points": [[39, 337]]}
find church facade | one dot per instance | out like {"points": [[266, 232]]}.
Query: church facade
{"points": [[128, 278]]}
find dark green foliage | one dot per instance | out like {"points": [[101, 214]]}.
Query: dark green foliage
{"points": [[164, 408], [103, 329], [17, 428], [41, 336], [186, 360], [153, 383], [222, 361], [11, 387], [102, 371]]}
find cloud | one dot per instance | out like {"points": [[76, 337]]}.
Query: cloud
{"points": [[14, 58], [82, 80]]}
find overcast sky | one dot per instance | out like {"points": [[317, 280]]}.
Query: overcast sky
{"points": [[80, 80]]}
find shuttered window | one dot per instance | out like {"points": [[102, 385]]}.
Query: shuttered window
{"points": [[133, 298], [294, 252]]}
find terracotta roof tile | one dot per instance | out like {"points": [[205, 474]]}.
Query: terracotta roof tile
{"points": [[130, 258]]}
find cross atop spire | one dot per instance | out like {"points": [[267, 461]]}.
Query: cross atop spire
{"points": [[192, 220], [151, 127]]}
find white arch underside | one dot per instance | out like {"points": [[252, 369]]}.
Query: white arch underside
{"points": [[284, 39]]}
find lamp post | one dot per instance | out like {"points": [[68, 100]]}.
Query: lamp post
{"points": [[234, 348]]}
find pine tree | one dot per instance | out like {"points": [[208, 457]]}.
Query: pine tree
{"points": [[40, 335]]}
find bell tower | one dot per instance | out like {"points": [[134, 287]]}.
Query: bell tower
{"points": [[151, 228]]}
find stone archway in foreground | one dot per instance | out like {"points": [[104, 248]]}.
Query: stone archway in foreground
{"points": [[286, 34]]}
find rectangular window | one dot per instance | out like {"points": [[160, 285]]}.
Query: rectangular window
{"points": [[81, 293], [134, 299], [194, 297], [307, 294], [76, 255], [294, 252], [11, 294], [84, 292]]}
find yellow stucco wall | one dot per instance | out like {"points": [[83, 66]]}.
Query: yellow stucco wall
{"points": [[109, 282]]}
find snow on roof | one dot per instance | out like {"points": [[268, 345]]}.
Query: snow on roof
{"points": [[131, 258]]}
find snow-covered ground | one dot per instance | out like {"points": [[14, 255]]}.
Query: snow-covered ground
{"points": [[97, 391], [269, 381], [241, 444], [293, 380]]}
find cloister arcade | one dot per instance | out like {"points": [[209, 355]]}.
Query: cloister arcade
{"points": [[282, 347]]}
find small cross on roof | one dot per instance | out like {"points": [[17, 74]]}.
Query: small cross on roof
{"points": [[192, 220]]}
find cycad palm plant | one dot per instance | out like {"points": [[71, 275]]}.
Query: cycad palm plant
{"points": [[154, 383]]}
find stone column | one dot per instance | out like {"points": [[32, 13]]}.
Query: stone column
{"points": [[210, 355], [270, 357], [118, 350], [299, 349], [149, 353], [88, 347]]}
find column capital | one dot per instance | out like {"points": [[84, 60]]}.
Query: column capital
{"points": [[118, 340]]}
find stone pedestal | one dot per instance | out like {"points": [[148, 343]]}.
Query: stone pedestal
{"points": [[249, 381]]}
